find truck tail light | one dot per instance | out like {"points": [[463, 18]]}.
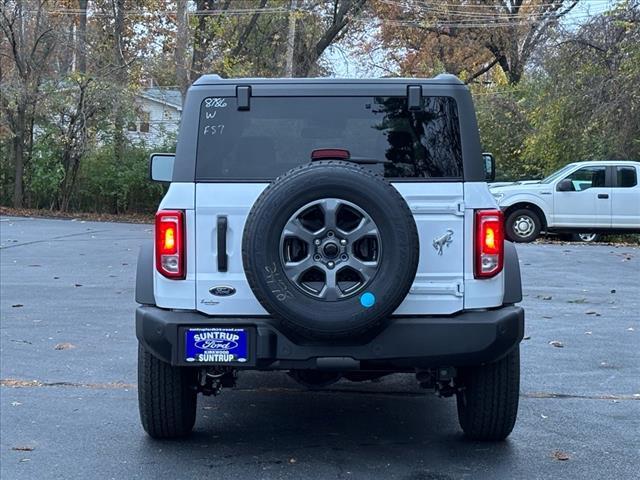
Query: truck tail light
{"points": [[489, 243], [170, 249]]}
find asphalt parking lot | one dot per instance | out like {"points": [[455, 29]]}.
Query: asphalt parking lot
{"points": [[68, 403]]}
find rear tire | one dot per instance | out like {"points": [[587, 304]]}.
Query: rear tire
{"points": [[523, 225], [167, 397], [488, 399]]}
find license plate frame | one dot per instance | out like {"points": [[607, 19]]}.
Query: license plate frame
{"points": [[217, 345]]}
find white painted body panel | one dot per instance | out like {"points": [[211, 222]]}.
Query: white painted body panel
{"points": [[444, 284], [438, 287], [486, 292], [233, 200], [625, 205], [179, 293]]}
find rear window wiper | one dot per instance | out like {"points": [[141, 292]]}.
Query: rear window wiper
{"points": [[367, 161]]}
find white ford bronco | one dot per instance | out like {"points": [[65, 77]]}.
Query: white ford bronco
{"points": [[332, 229]]}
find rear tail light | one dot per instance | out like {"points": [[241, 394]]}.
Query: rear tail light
{"points": [[489, 243], [170, 247]]}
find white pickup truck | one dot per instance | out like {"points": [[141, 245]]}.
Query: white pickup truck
{"points": [[583, 197]]}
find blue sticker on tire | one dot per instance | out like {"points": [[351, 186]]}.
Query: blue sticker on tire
{"points": [[367, 299], [216, 345]]}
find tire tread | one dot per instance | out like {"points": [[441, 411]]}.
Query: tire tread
{"points": [[488, 404], [166, 396]]}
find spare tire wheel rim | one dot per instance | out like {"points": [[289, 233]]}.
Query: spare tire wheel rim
{"points": [[330, 249]]}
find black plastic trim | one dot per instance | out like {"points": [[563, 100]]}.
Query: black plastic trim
{"points": [[469, 338], [243, 93], [144, 275], [414, 97], [512, 279], [221, 232]]}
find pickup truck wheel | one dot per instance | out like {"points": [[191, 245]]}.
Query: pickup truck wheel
{"points": [[167, 397], [488, 399], [523, 225], [587, 237]]}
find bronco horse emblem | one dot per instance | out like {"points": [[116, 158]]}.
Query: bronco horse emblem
{"points": [[443, 241]]}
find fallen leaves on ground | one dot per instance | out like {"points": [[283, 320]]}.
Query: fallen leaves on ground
{"points": [[14, 383], [96, 217], [64, 346], [556, 343], [560, 455]]}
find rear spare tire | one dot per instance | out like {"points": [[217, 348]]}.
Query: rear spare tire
{"points": [[330, 249]]}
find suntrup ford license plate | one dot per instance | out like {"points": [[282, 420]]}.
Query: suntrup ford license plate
{"points": [[216, 345]]}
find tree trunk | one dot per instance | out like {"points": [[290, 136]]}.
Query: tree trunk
{"points": [[182, 37], [18, 155], [121, 79], [203, 37], [291, 39], [200, 41], [307, 56], [81, 40]]}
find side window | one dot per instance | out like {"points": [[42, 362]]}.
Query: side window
{"points": [[585, 178], [626, 177]]}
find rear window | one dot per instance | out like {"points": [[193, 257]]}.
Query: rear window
{"points": [[279, 133]]}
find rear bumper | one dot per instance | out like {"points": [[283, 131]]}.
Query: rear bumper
{"points": [[469, 338]]}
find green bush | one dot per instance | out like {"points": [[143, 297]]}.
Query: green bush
{"points": [[44, 174], [104, 186]]}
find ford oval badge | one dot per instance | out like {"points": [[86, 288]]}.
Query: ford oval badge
{"points": [[222, 291]]}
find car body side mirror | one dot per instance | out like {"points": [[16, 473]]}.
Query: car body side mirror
{"points": [[489, 167], [161, 167], [565, 185]]}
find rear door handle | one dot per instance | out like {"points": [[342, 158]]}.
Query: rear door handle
{"points": [[603, 195], [222, 244]]}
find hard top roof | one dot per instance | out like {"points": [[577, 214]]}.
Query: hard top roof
{"points": [[442, 79]]}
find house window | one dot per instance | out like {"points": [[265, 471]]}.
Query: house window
{"points": [[144, 122]]}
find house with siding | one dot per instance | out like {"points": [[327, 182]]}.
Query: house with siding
{"points": [[158, 112]]}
